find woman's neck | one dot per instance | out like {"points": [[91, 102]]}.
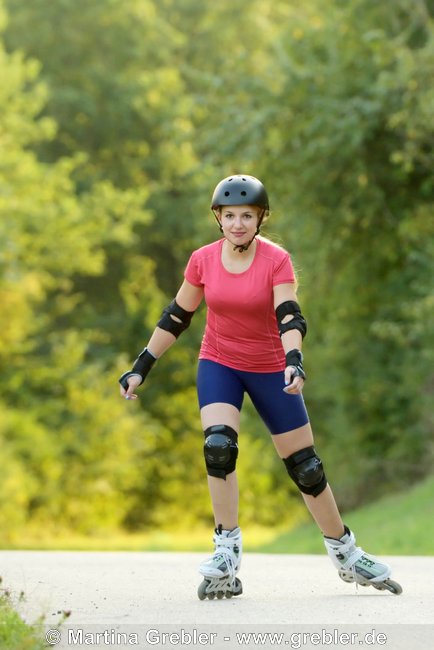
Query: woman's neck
{"points": [[236, 262]]}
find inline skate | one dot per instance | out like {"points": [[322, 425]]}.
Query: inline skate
{"points": [[354, 565], [219, 571]]}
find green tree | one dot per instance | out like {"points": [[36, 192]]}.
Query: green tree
{"points": [[355, 158], [63, 438]]}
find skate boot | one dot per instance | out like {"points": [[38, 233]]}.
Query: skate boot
{"points": [[219, 571], [354, 565]]}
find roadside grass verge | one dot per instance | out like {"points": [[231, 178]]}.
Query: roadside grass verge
{"points": [[400, 524], [15, 634]]}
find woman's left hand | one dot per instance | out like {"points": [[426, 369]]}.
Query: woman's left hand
{"points": [[294, 383]]}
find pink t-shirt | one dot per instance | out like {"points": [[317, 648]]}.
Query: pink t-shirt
{"points": [[241, 328]]}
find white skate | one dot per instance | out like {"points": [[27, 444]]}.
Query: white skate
{"points": [[354, 565], [219, 571]]}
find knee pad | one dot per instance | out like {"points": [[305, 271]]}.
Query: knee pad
{"points": [[306, 470], [220, 450]]}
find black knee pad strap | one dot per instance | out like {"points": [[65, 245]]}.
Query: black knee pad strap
{"points": [[220, 450], [306, 470]]}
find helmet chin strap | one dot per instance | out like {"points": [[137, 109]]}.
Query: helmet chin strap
{"points": [[243, 247]]}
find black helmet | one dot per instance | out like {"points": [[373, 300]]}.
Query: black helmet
{"points": [[240, 189]]}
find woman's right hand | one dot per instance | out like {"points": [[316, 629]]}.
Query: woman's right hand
{"points": [[133, 382]]}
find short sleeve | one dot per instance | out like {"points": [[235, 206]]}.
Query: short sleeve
{"points": [[192, 271], [284, 271]]}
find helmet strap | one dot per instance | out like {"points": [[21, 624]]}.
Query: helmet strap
{"points": [[217, 219], [243, 247]]}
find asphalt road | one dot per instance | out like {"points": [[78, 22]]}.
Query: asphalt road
{"points": [[148, 600]]}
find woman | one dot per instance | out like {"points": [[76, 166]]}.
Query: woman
{"points": [[252, 343]]}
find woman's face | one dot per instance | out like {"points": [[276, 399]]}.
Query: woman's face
{"points": [[239, 222]]}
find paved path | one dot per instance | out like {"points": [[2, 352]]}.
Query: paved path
{"points": [[122, 596]]}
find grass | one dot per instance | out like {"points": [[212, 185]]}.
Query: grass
{"points": [[15, 634], [401, 524]]}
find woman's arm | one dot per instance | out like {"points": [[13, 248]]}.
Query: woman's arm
{"points": [[291, 339], [185, 304], [188, 298]]}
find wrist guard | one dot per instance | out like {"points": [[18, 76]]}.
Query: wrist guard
{"points": [[294, 358], [298, 322], [142, 366]]}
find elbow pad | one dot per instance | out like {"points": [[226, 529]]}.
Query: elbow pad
{"points": [[296, 323], [169, 324]]}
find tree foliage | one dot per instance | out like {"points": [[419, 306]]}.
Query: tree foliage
{"points": [[117, 120]]}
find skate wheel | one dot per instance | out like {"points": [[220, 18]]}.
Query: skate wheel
{"points": [[238, 588], [201, 590], [346, 576], [393, 587], [220, 595], [211, 595], [388, 585], [229, 594]]}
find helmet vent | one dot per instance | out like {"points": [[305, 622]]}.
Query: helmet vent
{"points": [[227, 193], [243, 193]]}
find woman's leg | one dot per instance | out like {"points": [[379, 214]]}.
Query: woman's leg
{"points": [[287, 413], [351, 561], [224, 492], [322, 507]]}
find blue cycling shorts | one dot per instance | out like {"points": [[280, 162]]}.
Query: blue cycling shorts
{"points": [[280, 412]]}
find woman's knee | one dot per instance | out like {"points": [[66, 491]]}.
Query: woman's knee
{"points": [[220, 422], [302, 463]]}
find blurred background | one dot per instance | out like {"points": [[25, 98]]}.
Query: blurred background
{"points": [[117, 119]]}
